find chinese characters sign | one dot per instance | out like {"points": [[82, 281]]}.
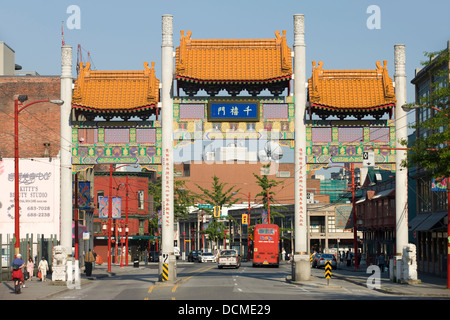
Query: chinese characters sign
{"points": [[240, 111]]}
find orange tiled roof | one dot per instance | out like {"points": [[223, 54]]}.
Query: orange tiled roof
{"points": [[257, 60], [351, 90], [116, 90]]}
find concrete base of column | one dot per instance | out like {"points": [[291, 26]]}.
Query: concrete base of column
{"points": [[302, 268], [168, 271]]}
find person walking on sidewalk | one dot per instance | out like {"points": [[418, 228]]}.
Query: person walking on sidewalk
{"points": [[30, 268], [43, 268], [349, 259], [381, 261], [88, 260]]}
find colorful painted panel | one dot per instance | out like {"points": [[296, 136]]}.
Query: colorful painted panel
{"points": [[117, 135], [84, 195], [192, 111], [145, 135], [103, 207], [275, 111]]}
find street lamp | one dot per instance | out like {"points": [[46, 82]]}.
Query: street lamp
{"points": [[248, 223], [18, 107], [111, 170], [408, 108], [353, 189]]}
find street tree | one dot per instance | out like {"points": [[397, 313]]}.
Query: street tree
{"points": [[218, 195], [267, 193], [431, 151]]}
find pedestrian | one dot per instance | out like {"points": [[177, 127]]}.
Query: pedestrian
{"points": [[17, 272], [349, 259], [283, 254], [43, 268], [30, 268], [95, 259], [381, 261], [88, 260]]}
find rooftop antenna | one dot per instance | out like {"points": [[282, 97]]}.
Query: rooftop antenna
{"points": [[62, 33]]}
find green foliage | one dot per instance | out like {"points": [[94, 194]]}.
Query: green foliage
{"points": [[432, 152], [266, 193], [218, 195], [183, 199]]}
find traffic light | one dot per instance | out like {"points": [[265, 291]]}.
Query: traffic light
{"points": [[216, 211], [244, 218]]}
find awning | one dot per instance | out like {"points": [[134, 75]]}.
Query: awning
{"points": [[361, 200], [429, 222], [417, 220], [384, 193], [81, 229]]}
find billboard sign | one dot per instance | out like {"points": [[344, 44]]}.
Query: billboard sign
{"points": [[39, 196]]}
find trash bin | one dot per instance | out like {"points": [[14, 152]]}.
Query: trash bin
{"points": [[136, 263]]}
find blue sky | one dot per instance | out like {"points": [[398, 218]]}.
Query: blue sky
{"points": [[122, 35]]}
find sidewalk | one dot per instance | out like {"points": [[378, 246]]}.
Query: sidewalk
{"points": [[38, 290], [427, 286]]}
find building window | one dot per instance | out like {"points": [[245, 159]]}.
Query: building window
{"points": [[141, 199], [100, 193], [186, 169], [141, 227]]}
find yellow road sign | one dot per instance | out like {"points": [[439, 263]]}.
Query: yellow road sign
{"points": [[165, 273], [327, 269]]}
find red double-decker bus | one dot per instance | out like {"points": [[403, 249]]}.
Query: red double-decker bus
{"points": [[266, 240]]}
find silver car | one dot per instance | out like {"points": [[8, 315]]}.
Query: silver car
{"points": [[228, 258], [206, 256], [324, 257]]}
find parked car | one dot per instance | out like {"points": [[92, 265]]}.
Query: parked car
{"points": [[327, 257], [206, 256], [228, 258], [193, 255], [315, 259]]}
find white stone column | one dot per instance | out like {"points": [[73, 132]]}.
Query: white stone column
{"points": [[401, 173], [66, 150], [302, 266], [167, 61]]}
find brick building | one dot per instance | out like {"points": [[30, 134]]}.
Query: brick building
{"points": [[39, 125], [136, 209]]}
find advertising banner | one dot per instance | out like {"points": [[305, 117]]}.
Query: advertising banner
{"points": [[39, 196]]}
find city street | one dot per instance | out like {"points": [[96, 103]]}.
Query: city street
{"points": [[204, 281]]}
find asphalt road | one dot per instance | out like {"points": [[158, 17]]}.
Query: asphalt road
{"points": [[204, 281]]}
